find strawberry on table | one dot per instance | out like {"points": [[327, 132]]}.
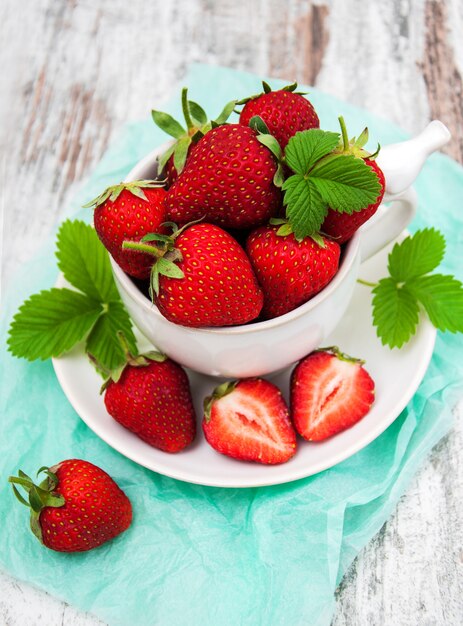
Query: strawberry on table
{"points": [[173, 160], [290, 271], [227, 180], [341, 226], [285, 112], [129, 211], [330, 391], [76, 507], [151, 397], [248, 420], [203, 278]]}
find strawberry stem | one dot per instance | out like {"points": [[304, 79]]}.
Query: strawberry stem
{"points": [[142, 247], [345, 137], [366, 282], [186, 109]]}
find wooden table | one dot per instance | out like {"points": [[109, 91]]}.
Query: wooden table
{"points": [[74, 71]]}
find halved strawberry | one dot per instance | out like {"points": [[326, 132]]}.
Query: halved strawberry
{"points": [[249, 420], [330, 391]]}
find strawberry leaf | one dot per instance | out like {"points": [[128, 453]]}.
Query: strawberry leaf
{"points": [[51, 322], [416, 255], [345, 183], [168, 268], [442, 298], [84, 261], [181, 153], [395, 313], [102, 342], [225, 113], [307, 147], [305, 208]]}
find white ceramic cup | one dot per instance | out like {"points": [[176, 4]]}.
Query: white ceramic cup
{"points": [[259, 348]]}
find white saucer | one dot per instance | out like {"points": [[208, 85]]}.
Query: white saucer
{"points": [[397, 374]]}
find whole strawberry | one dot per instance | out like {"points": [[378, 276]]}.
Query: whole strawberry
{"points": [[248, 420], [128, 212], [151, 397], [196, 125], [283, 111], [227, 180], [289, 271], [330, 391], [204, 278], [341, 226], [77, 506]]}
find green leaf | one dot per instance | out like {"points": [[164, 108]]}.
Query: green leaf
{"points": [[305, 208], [271, 143], [84, 261], [197, 113], [51, 323], [138, 191], [345, 183], [102, 342], [167, 123], [168, 268], [165, 156], [258, 124], [225, 113], [416, 255], [266, 87], [285, 229], [395, 313], [181, 153], [442, 298], [306, 147]]}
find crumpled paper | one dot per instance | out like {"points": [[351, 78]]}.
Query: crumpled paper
{"points": [[206, 556]]}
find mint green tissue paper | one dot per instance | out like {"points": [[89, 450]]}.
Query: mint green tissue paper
{"points": [[202, 556]]}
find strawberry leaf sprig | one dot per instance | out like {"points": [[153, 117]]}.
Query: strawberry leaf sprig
{"points": [[197, 124], [329, 172], [411, 289], [51, 322]]}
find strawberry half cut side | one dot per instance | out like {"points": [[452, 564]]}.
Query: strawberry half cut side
{"points": [[330, 392], [249, 420]]}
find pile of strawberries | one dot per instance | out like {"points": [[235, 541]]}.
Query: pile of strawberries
{"points": [[211, 235]]}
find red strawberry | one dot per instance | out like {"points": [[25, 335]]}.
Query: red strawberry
{"points": [[330, 392], [204, 278], [129, 211], [341, 226], [228, 180], [152, 398], [248, 420], [283, 111], [289, 271], [76, 508], [197, 125]]}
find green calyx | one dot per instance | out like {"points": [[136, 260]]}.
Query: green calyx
{"points": [[269, 141], [219, 392], [165, 252], [138, 360], [135, 187], [38, 496], [196, 126], [287, 229], [267, 89], [342, 356], [355, 145]]}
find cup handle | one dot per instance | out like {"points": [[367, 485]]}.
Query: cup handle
{"points": [[387, 223]]}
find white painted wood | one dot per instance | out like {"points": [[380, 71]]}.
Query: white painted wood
{"points": [[74, 71]]}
